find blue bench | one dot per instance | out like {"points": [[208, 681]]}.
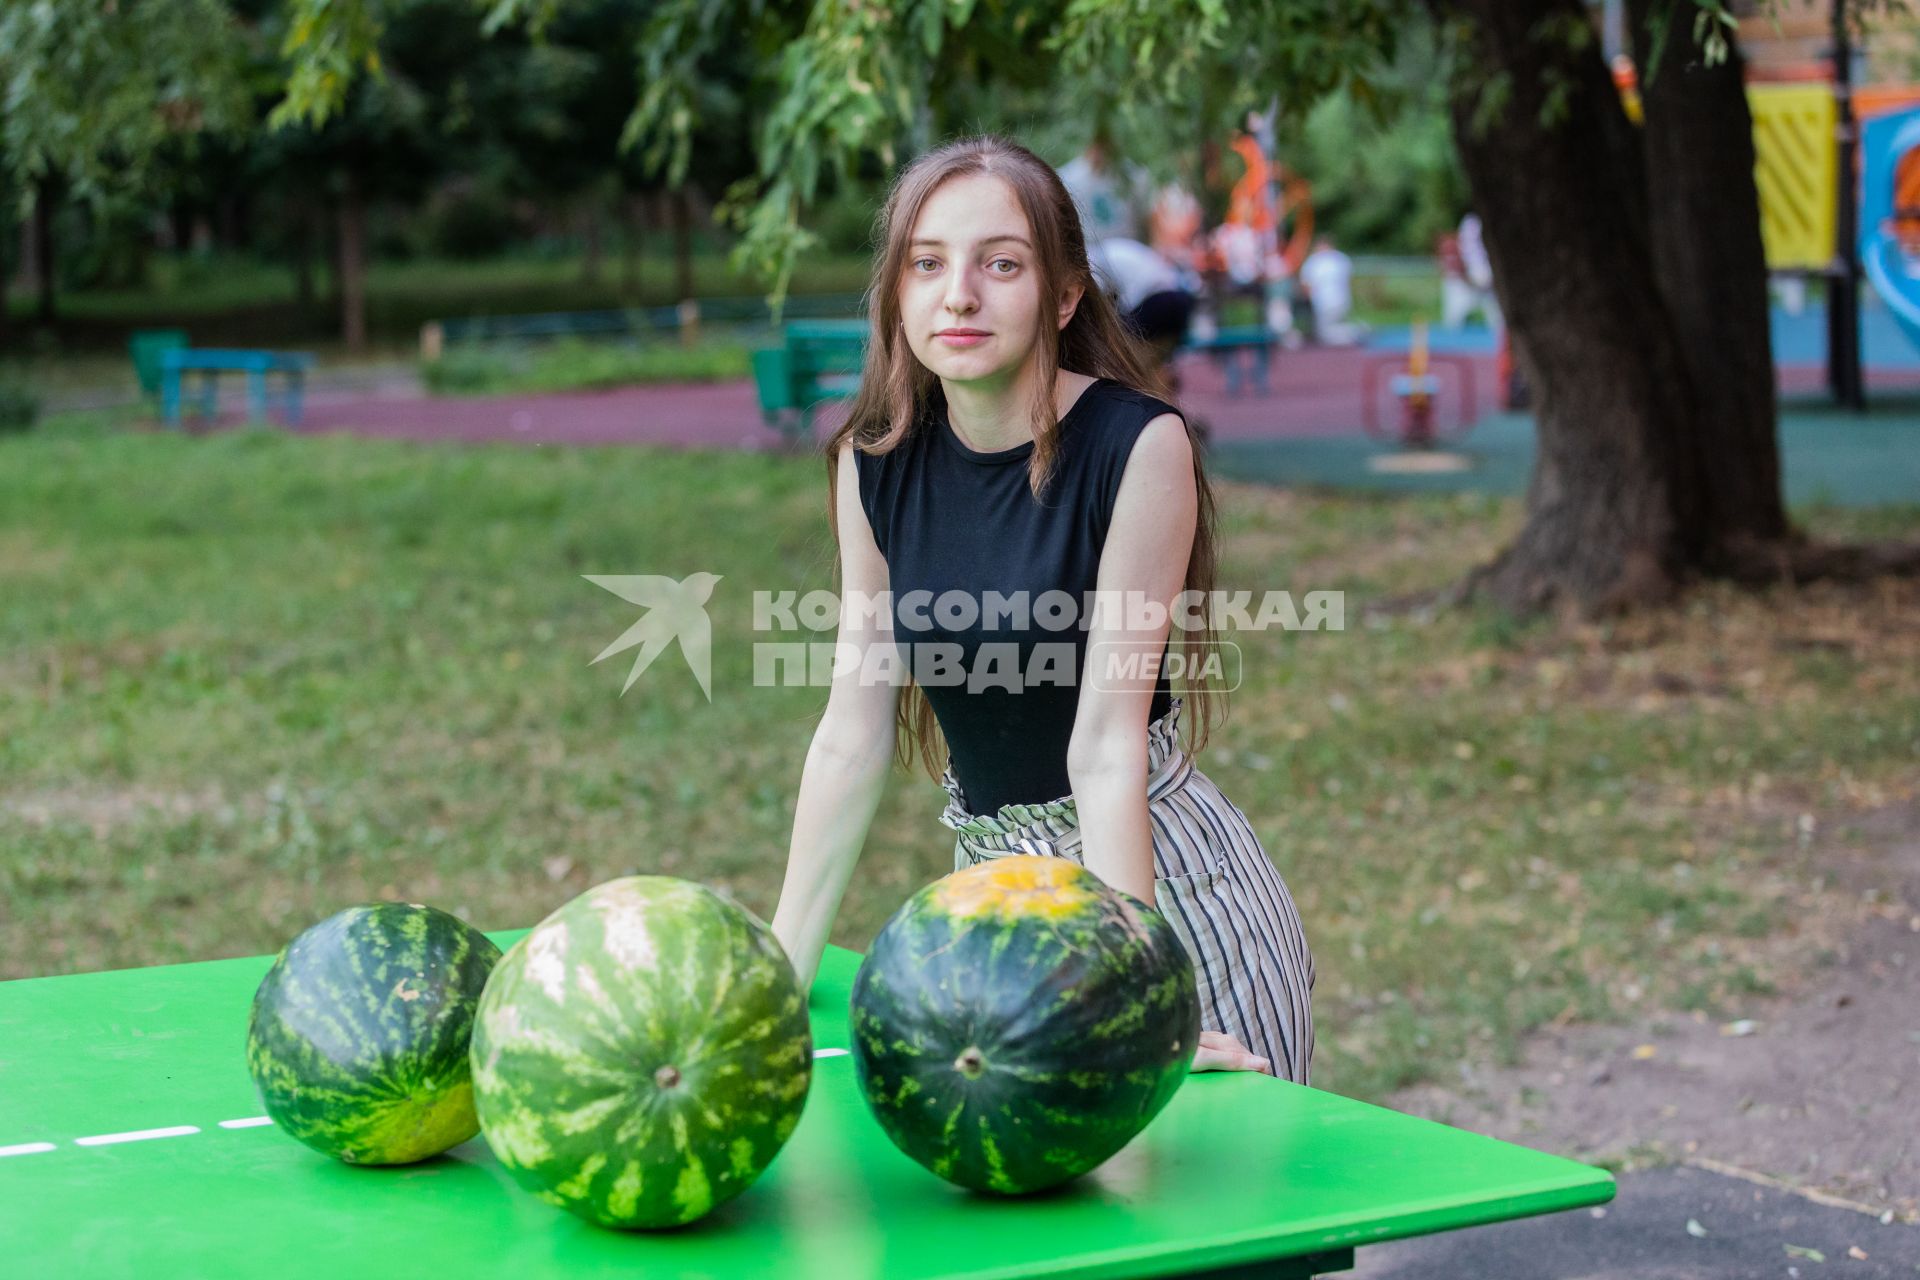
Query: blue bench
{"points": [[817, 361], [211, 362], [1226, 346]]}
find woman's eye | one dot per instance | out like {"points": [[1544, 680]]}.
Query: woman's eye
{"points": [[1009, 263], [918, 262]]}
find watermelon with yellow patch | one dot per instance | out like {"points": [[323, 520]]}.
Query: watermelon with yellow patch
{"points": [[360, 1031], [642, 1055], [1018, 1022]]}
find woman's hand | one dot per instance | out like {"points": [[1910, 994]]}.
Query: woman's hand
{"points": [[1221, 1052]]}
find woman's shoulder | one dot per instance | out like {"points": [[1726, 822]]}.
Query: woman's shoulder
{"points": [[1117, 415]]}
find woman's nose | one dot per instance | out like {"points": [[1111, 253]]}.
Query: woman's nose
{"points": [[960, 291]]}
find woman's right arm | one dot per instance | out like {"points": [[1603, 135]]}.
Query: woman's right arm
{"points": [[847, 764]]}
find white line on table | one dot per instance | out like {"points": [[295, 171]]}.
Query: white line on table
{"points": [[138, 1135], [182, 1130]]}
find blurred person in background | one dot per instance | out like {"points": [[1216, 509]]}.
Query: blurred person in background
{"points": [[1327, 278], [1466, 278], [1110, 194]]}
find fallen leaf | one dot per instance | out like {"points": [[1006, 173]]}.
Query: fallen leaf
{"points": [[1811, 1255], [1743, 1027], [1855, 1252], [1642, 1052], [1695, 1230]]}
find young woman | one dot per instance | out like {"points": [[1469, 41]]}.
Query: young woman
{"points": [[1009, 439]]}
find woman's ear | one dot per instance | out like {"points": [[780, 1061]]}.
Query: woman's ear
{"points": [[1070, 302]]}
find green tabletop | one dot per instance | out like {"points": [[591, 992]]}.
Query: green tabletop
{"points": [[192, 1181]]}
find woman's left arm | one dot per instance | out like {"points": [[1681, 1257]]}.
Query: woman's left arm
{"points": [[1143, 568]]}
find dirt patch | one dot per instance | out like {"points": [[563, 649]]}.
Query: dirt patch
{"points": [[1816, 1087], [103, 809]]}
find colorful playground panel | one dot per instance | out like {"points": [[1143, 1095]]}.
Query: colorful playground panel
{"points": [[132, 1144]]}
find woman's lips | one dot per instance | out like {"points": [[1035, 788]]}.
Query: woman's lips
{"points": [[962, 339]]}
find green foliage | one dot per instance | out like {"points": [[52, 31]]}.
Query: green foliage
{"points": [[94, 91], [471, 223], [18, 409], [856, 83], [1381, 160]]}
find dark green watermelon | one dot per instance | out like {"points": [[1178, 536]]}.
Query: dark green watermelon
{"points": [[360, 1033], [1018, 1022], [642, 1055]]}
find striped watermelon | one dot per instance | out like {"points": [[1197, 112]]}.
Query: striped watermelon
{"points": [[1018, 1022], [642, 1055], [360, 1033]]}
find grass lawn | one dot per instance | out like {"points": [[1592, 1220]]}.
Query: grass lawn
{"points": [[576, 364], [247, 679]]}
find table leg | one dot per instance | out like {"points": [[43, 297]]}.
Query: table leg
{"points": [[257, 395], [1304, 1267], [170, 397]]}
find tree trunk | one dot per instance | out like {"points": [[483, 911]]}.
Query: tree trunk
{"points": [[304, 235], [1557, 177], [632, 244], [592, 242], [28, 260], [1711, 267], [43, 265], [353, 264], [682, 244]]}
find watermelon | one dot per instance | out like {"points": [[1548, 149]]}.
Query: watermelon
{"points": [[1018, 1022], [360, 1033], [642, 1055]]}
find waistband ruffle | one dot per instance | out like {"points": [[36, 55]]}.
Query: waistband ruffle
{"points": [[1052, 827]]}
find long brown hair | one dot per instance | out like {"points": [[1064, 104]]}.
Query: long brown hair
{"points": [[895, 387]]}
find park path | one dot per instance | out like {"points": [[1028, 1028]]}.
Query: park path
{"points": [[1314, 393], [1311, 393]]}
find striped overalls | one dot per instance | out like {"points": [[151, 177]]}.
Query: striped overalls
{"points": [[1213, 882]]}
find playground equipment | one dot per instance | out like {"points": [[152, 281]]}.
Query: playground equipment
{"points": [[1889, 231], [1804, 146], [1417, 388]]}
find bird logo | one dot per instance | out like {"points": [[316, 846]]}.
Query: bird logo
{"points": [[676, 610]]}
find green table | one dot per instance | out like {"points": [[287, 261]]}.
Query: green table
{"points": [[132, 1144]]}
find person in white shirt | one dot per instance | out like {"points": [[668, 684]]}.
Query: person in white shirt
{"points": [[1110, 197], [1154, 297], [1327, 276], [1472, 289]]}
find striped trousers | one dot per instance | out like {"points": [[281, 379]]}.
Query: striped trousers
{"points": [[1212, 881]]}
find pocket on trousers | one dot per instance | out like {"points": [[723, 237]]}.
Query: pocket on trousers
{"points": [[1192, 886]]}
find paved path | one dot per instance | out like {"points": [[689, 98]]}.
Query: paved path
{"points": [[1312, 393], [1317, 397], [1739, 1231]]}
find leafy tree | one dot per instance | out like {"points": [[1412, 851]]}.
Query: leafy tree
{"points": [[90, 94]]}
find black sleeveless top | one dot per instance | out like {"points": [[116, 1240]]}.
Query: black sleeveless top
{"points": [[950, 519]]}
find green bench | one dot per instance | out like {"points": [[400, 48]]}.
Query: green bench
{"points": [[817, 361], [1225, 347]]}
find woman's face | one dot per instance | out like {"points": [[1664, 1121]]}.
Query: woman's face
{"points": [[970, 299]]}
